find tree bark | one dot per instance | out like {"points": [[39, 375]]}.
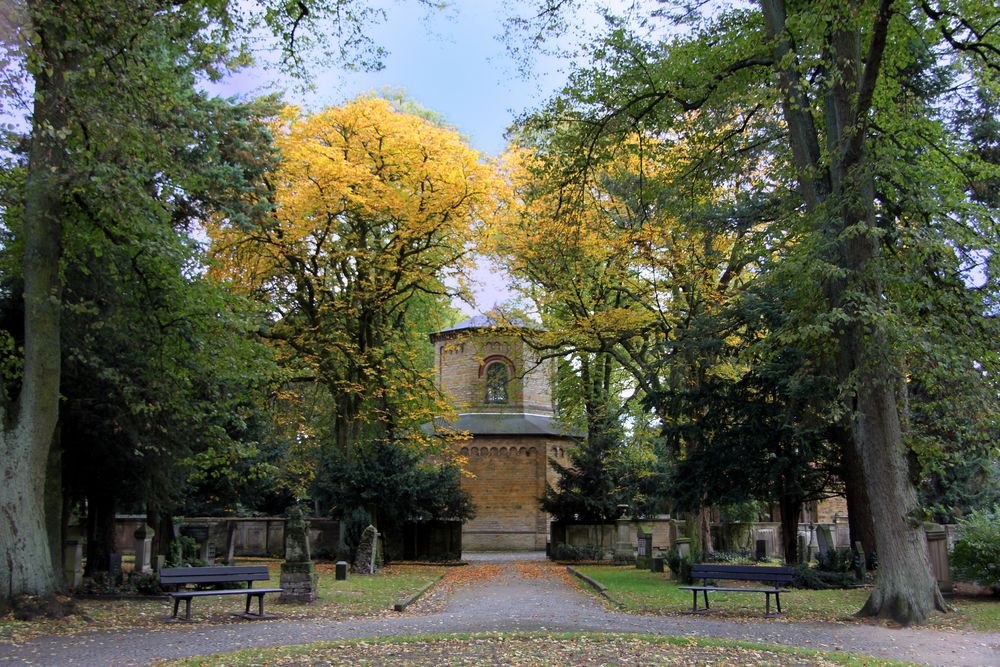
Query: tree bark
{"points": [[26, 565], [790, 508]]}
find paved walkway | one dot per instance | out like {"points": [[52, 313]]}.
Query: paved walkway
{"points": [[510, 596]]}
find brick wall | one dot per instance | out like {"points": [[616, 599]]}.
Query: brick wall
{"points": [[508, 478]]}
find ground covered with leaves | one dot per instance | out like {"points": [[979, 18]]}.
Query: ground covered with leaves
{"points": [[529, 650], [642, 591], [357, 596]]}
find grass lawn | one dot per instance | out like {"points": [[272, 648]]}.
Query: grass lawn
{"points": [[356, 596], [531, 649], [642, 591]]}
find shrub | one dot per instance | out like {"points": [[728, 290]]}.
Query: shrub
{"points": [[564, 551], [184, 553], [735, 557], [816, 579], [354, 525], [680, 566], [976, 557], [145, 583], [835, 560]]}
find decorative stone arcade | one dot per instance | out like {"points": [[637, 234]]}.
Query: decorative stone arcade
{"points": [[503, 393]]}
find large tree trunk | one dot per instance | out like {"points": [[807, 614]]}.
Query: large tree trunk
{"points": [[790, 508], [26, 566], [905, 588]]}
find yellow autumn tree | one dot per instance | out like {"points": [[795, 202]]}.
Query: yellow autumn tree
{"points": [[368, 242], [629, 271]]}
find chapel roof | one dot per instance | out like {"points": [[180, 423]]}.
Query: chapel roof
{"points": [[496, 318], [499, 423]]}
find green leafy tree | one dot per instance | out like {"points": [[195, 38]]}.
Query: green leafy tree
{"points": [[391, 485], [851, 126], [112, 84]]}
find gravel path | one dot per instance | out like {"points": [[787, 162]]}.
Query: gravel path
{"points": [[502, 595]]}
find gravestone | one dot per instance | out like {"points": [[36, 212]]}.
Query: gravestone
{"points": [[683, 545], [761, 552], [115, 573], [644, 551], [803, 548], [364, 561], [299, 579], [341, 572], [824, 538], [73, 557], [143, 548]]}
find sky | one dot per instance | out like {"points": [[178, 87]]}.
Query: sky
{"points": [[451, 61]]}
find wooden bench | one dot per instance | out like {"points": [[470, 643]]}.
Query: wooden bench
{"points": [[184, 576], [774, 575]]}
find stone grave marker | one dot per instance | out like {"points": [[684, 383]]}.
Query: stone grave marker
{"points": [[299, 578], [73, 556], [644, 551], [143, 548], [364, 561], [824, 539]]}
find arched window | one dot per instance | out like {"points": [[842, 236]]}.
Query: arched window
{"points": [[497, 378]]}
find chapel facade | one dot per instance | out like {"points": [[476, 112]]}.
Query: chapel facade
{"points": [[502, 391]]}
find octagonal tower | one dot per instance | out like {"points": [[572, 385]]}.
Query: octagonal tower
{"points": [[502, 391]]}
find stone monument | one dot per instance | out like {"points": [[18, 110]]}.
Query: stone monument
{"points": [[364, 561], [298, 573], [73, 556], [143, 548]]}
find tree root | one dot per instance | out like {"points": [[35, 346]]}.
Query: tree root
{"points": [[905, 609], [32, 607]]}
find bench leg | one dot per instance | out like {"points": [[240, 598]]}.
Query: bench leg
{"points": [[694, 601], [177, 603], [249, 595], [705, 594], [187, 614], [260, 604], [767, 604], [777, 600]]}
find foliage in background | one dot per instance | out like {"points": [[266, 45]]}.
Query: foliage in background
{"points": [[976, 557], [391, 484]]}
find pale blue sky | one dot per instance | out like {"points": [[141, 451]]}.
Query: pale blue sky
{"points": [[450, 61]]}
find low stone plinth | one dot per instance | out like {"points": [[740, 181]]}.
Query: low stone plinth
{"points": [[299, 582]]}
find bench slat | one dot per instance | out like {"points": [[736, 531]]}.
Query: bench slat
{"points": [[234, 591], [203, 575], [742, 572]]}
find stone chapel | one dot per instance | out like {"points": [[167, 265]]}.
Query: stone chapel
{"points": [[503, 394]]}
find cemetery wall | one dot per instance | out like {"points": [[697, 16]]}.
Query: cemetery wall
{"points": [[254, 536]]}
